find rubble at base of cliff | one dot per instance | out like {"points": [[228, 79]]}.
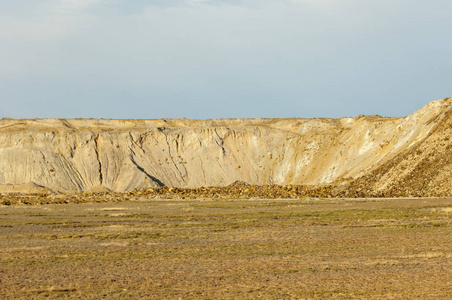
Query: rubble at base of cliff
{"points": [[237, 190]]}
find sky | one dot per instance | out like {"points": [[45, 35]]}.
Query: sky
{"points": [[202, 59]]}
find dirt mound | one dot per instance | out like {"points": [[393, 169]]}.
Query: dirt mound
{"points": [[422, 170], [27, 188], [238, 185], [98, 190], [348, 157]]}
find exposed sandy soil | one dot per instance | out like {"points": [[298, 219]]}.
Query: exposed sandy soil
{"points": [[365, 156], [228, 249]]}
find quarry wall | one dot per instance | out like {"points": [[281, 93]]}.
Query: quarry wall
{"points": [[64, 155]]}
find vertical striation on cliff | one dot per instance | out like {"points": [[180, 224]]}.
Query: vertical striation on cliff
{"points": [[122, 155]]}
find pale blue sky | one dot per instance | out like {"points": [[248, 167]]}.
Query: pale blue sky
{"points": [[213, 58]]}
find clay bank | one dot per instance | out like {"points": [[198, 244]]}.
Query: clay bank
{"points": [[373, 154]]}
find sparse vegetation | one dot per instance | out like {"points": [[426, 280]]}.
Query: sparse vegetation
{"points": [[228, 249]]}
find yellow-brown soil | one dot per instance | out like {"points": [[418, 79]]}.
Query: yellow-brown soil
{"points": [[366, 156], [228, 249]]}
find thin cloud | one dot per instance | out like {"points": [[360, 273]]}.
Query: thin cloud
{"points": [[160, 54], [47, 19]]}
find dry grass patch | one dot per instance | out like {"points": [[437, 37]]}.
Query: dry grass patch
{"points": [[234, 249]]}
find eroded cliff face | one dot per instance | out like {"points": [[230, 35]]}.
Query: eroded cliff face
{"points": [[122, 155]]}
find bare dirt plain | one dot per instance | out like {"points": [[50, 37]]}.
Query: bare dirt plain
{"points": [[228, 249]]}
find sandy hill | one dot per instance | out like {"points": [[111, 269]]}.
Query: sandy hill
{"points": [[366, 155]]}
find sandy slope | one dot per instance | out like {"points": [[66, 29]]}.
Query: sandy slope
{"points": [[375, 155]]}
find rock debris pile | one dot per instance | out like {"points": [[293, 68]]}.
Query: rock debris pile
{"points": [[237, 190]]}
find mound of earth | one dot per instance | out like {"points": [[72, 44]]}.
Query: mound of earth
{"points": [[348, 157], [27, 188]]}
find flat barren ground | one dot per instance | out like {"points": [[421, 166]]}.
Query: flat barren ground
{"points": [[228, 249]]}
